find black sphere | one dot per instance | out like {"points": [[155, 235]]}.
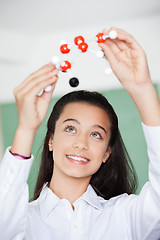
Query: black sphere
{"points": [[74, 82]]}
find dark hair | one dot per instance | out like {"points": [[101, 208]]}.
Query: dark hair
{"points": [[113, 178]]}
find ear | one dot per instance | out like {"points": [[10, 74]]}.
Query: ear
{"points": [[50, 143], [107, 154]]}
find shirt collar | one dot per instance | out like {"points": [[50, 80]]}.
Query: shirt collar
{"points": [[91, 197], [48, 200]]}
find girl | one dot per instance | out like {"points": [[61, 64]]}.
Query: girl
{"points": [[85, 181]]}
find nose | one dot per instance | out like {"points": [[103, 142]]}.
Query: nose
{"points": [[81, 143]]}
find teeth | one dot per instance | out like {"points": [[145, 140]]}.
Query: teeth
{"points": [[77, 158]]}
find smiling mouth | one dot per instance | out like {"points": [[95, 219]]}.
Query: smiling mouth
{"points": [[77, 159]]}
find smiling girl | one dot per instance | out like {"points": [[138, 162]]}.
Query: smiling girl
{"points": [[86, 180]]}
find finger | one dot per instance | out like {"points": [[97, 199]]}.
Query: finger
{"points": [[30, 84], [46, 68], [51, 83], [47, 95], [120, 44], [113, 46], [41, 78], [111, 50], [105, 31], [127, 38], [43, 101], [36, 88], [43, 70], [109, 53]]}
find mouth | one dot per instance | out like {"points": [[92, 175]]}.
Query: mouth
{"points": [[77, 159]]}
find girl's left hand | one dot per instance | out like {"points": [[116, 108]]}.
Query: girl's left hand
{"points": [[129, 63], [127, 59]]}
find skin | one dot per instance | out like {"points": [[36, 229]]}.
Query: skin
{"points": [[129, 64], [82, 130]]}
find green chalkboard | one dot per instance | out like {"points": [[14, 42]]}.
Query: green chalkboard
{"points": [[129, 124]]}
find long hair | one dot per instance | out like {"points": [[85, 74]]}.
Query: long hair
{"points": [[114, 177]]}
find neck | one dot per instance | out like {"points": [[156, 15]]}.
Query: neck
{"points": [[67, 187]]}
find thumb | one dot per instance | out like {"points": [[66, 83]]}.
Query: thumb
{"points": [[48, 94], [109, 54]]}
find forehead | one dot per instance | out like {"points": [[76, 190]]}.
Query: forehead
{"points": [[85, 112]]}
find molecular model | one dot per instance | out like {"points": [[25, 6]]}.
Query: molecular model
{"points": [[82, 47]]}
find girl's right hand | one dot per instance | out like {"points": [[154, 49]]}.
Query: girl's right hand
{"points": [[32, 108]]}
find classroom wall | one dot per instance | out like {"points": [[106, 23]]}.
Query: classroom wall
{"points": [[1, 141], [129, 124]]}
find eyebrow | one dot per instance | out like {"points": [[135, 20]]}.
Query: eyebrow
{"points": [[74, 120], [99, 126], [71, 119]]}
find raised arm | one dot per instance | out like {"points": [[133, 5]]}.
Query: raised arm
{"points": [[32, 108], [129, 63], [14, 171]]}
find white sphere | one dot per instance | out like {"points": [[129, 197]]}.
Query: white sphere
{"points": [[55, 60], [113, 34], [40, 93], [63, 64], [48, 89], [63, 42], [79, 42], [58, 66], [100, 54], [108, 71]]}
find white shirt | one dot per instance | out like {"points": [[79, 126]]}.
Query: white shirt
{"points": [[124, 217]]}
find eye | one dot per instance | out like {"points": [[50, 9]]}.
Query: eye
{"points": [[70, 129], [96, 135]]}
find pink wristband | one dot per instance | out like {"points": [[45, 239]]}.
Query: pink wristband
{"points": [[18, 155]]}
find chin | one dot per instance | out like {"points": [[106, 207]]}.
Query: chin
{"points": [[78, 175]]}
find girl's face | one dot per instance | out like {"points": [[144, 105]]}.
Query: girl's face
{"points": [[80, 140]]}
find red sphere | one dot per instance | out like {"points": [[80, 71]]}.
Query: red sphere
{"points": [[64, 49], [66, 65], [100, 38], [83, 47], [78, 40]]}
